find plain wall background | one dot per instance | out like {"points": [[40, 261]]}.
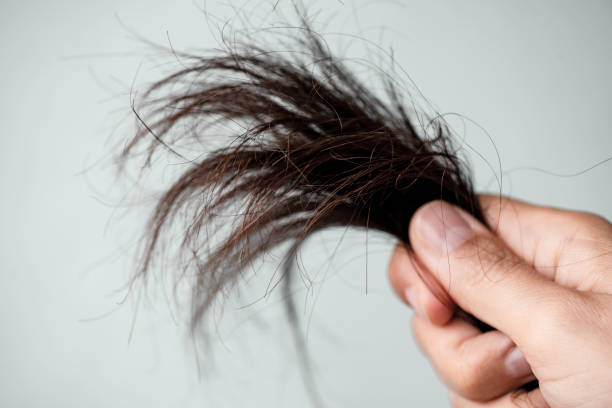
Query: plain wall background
{"points": [[535, 75]]}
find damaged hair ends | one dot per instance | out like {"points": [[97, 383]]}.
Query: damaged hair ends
{"points": [[276, 143]]}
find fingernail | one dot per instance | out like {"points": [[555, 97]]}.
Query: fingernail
{"points": [[442, 227], [516, 365], [412, 296]]}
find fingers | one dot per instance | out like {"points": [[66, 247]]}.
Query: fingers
{"points": [[478, 366], [521, 224], [480, 273], [520, 278], [516, 399], [567, 246], [419, 288]]}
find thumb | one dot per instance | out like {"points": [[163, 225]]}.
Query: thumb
{"points": [[481, 274]]}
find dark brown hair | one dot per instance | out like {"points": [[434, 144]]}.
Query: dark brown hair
{"points": [[311, 147]]}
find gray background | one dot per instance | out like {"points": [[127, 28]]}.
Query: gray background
{"points": [[535, 75]]}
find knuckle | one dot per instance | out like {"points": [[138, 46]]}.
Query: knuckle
{"points": [[592, 218], [471, 381], [593, 223], [469, 388]]}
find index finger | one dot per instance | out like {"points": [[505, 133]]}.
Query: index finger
{"points": [[563, 245]]}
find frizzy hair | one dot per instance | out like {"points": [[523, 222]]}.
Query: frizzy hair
{"points": [[312, 147]]}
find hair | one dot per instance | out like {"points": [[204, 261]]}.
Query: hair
{"points": [[312, 147]]}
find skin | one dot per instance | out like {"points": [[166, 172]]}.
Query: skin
{"points": [[542, 277]]}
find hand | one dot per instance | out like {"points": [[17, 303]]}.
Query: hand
{"points": [[543, 278]]}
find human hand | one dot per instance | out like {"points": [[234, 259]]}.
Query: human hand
{"points": [[543, 278]]}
